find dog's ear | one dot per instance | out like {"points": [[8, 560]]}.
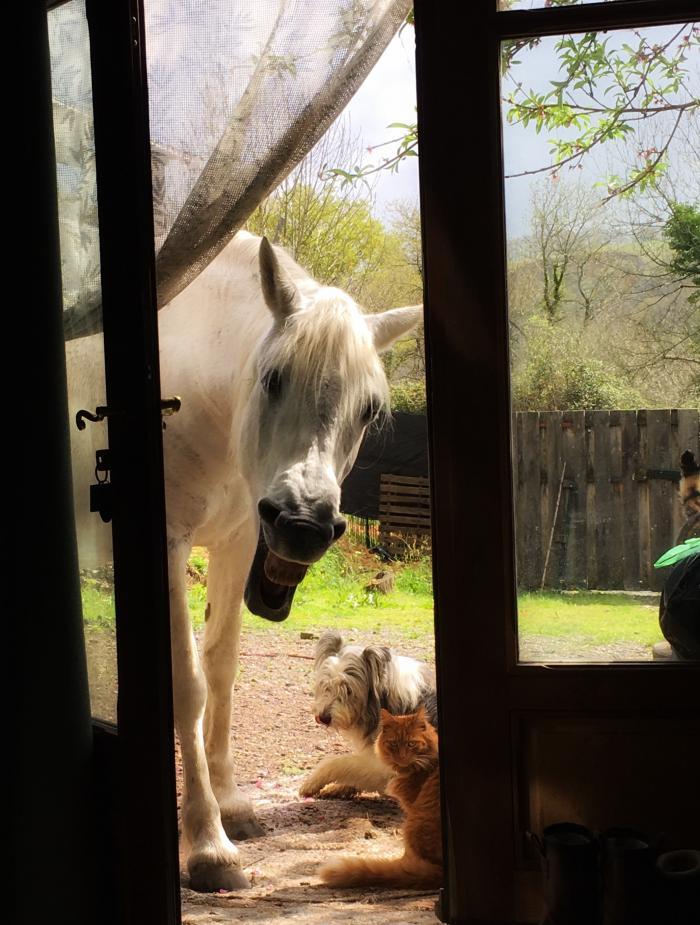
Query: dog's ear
{"points": [[689, 465], [329, 643], [374, 658]]}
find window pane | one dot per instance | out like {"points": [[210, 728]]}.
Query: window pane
{"points": [[80, 264], [602, 162]]}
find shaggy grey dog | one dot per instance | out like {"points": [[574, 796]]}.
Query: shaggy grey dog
{"points": [[352, 684]]}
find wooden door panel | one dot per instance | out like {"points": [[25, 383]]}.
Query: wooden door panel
{"points": [[523, 746], [606, 770]]}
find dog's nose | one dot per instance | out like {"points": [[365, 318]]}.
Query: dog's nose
{"points": [[323, 718]]}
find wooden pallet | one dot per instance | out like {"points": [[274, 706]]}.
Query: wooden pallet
{"points": [[404, 513]]}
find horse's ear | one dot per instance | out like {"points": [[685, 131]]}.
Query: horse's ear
{"points": [[279, 291], [386, 327]]}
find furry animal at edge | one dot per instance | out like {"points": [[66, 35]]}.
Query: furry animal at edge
{"points": [[408, 745], [689, 495], [352, 685]]}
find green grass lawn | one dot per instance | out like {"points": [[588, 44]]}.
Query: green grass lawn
{"points": [[334, 594], [600, 618]]}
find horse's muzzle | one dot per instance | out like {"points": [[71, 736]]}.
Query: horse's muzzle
{"points": [[298, 537]]}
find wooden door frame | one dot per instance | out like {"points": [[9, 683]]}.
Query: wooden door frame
{"points": [[482, 687], [134, 762], [145, 735]]}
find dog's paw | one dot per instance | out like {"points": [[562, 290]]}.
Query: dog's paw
{"points": [[310, 787]]}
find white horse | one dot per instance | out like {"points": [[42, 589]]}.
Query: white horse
{"points": [[279, 377]]}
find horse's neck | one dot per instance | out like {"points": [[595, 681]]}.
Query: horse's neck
{"points": [[210, 336]]}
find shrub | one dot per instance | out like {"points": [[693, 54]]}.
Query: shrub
{"points": [[408, 395], [558, 374]]}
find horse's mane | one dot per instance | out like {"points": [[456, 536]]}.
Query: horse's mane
{"points": [[325, 344]]}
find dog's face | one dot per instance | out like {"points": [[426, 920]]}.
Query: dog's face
{"points": [[348, 684]]}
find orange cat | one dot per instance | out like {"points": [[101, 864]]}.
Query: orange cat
{"points": [[409, 745]]}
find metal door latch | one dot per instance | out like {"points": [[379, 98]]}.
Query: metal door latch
{"points": [[101, 500], [101, 412]]}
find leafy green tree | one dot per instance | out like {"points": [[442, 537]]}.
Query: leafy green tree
{"points": [[408, 395], [327, 226], [338, 241], [682, 233], [603, 95]]}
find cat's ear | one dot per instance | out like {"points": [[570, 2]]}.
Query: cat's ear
{"points": [[385, 716]]}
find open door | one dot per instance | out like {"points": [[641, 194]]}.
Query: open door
{"points": [[523, 744], [100, 117]]}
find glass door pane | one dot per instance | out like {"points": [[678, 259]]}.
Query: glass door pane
{"points": [[80, 263], [601, 144], [544, 4]]}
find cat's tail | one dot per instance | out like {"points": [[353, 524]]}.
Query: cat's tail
{"points": [[406, 871]]}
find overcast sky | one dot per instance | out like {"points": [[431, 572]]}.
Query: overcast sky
{"points": [[388, 95]]}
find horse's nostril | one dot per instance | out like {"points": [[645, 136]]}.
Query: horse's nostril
{"points": [[339, 528], [268, 511]]}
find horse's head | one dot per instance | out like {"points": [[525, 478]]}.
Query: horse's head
{"points": [[320, 384]]}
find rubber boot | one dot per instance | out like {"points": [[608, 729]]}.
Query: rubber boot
{"points": [[678, 887], [569, 854], [627, 869]]}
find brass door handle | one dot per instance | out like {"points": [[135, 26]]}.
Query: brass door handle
{"points": [[171, 405]]}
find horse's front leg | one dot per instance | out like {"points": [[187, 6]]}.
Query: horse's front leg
{"points": [[213, 862], [229, 563]]}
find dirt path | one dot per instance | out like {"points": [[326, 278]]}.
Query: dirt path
{"points": [[282, 865], [276, 742]]}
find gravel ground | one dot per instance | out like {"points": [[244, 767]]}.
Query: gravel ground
{"points": [[276, 742]]}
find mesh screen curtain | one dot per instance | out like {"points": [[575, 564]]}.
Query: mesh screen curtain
{"points": [[239, 92]]}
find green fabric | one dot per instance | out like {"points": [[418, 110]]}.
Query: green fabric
{"points": [[676, 553]]}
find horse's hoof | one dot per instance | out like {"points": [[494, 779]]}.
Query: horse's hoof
{"points": [[210, 878], [239, 829]]}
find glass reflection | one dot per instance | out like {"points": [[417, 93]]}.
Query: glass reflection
{"points": [[602, 162], [77, 195]]}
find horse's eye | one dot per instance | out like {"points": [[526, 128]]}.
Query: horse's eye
{"points": [[272, 383], [370, 412]]}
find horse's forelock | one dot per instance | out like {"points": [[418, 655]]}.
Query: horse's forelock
{"points": [[325, 341]]}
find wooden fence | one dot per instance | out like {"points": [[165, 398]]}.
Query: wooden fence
{"points": [[404, 513], [596, 495]]}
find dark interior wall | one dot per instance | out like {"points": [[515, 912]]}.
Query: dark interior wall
{"points": [[51, 744]]}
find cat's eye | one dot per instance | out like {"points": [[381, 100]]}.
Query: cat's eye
{"points": [[413, 744]]}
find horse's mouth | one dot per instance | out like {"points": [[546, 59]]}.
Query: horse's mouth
{"points": [[271, 584]]}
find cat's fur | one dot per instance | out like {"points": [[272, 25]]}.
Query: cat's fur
{"points": [[409, 746]]}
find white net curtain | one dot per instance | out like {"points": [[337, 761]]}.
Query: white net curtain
{"points": [[239, 92]]}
